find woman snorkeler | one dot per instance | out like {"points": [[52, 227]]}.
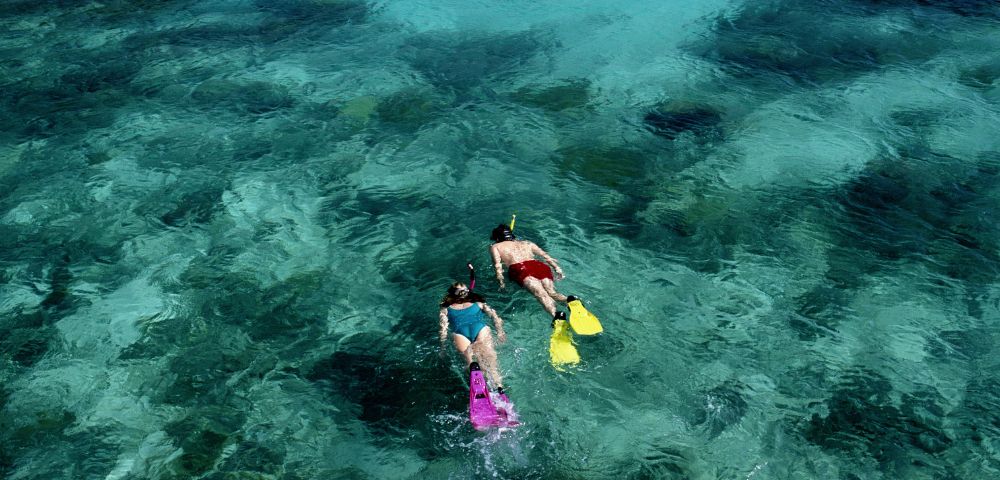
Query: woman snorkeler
{"points": [[463, 310]]}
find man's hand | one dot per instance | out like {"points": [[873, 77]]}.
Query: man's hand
{"points": [[559, 274]]}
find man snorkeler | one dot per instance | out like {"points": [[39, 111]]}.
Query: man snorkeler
{"points": [[525, 270]]}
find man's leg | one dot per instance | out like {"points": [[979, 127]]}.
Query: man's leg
{"points": [[550, 288], [536, 288]]}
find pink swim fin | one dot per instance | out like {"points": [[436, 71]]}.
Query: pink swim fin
{"points": [[483, 411]]}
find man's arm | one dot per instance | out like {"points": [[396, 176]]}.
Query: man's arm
{"points": [[535, 249], [497, 264]]}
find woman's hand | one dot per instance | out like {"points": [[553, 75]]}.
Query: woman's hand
{"points": [[502, 336]]}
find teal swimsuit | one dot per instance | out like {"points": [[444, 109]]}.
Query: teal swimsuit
{"points": [[466, 322]]}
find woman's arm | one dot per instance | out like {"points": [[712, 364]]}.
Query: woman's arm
{"points": [[444, 326], [535, 249], [497, 322]]}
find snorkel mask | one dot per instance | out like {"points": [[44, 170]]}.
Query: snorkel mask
{"points": [[502, 234]]}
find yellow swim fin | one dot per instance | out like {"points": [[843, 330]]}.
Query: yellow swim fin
{"points": [[582, 321], [561, 349]]}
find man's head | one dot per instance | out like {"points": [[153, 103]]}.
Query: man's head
{"points": [[501, 234]]}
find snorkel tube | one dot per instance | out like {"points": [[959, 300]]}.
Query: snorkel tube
{"points": [[472, 276], [513, 218]]}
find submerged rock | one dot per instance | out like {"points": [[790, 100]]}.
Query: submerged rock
{"points": [[811, 42], [253, 460], [965, 8], [408, 110], [671, 120], [722, 407], [379, 389], [359, 109], [572, 93], [819, 312], [862, 417], [609, 166], [200, 373], [909, 210], [296, 14], [981, 77], [27, 345], [202, 435], [662, 462], [245, 97], [196, 207], [460, 62], [878, 190]]}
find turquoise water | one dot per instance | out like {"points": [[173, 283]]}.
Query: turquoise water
{"points": [[225, 227]]}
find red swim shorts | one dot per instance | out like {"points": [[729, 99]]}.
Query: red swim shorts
{"points": [[529, 268]]}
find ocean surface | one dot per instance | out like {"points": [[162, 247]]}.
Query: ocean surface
{"points": [[225, 227]]}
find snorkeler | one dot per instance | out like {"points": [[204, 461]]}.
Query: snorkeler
{"points": [[463, 310], [533, 275]]}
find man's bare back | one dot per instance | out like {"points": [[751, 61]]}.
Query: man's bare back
{"points": [[517, 251]]}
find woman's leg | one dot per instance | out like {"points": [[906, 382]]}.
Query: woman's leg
{"points": [[488, 355], [464, 347], [536, 288]]}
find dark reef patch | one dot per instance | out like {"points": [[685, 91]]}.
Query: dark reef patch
{"points": [[290, 17], [981, 77], [863, 417], [202, 370], [966, 8], [279, 311], [26, 345], [979, 415], [608, 166], [252, 98], [907, 208], [409, 110], [202, 435], [194, 202], [98, 75], [252, 460], [807, 43], [453, 61], [81, 91], [196, 207], [818, 312], [392, 396], [962, 345], [660, 462], [22, 433], [621, 218], [219, 35], [570, 93], [722, 407], [671, 120], [59, 297], [378, 201]]}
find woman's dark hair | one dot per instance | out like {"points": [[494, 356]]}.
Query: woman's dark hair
{"points": [[459, 293], [501, 234]]}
